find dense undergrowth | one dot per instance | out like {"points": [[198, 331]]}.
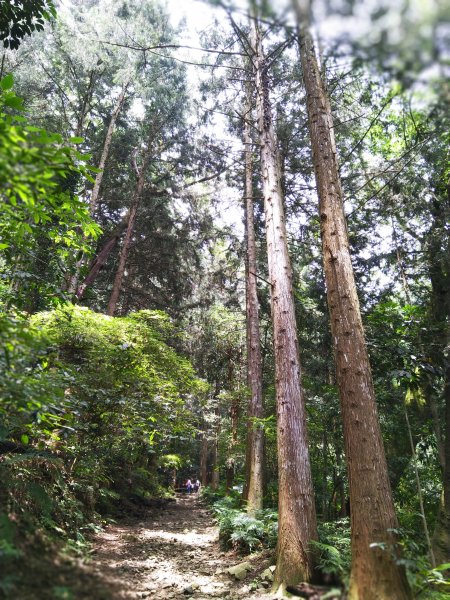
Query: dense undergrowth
{"points": [[249, 533], [90, 404]]}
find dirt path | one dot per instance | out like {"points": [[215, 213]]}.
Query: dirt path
{"points": [[169, 553], [172, 553]]}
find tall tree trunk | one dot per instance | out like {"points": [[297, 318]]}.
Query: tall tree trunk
{"points": [[296, 509], [215, 439], [106, 146], [101, 257], [135, 202], [441, 535], [86, 101], [234, 420], [407, 294], [375, 574], [325, 476], [439, 259], [204, 458], [255, 434], [214, 461], [419, 490], [74, 280]]}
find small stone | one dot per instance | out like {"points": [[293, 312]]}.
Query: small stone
{"points": [[188, 591], [239, 571], [265, 584], [267, 575]]}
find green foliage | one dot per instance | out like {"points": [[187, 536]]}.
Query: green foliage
{"points": [[18, 19], [333, 549], [38, 206], [241, 531], [170, 461], [89, 403]]}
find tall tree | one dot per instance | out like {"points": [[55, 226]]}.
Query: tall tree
{"points": [[439, 261], [141, 175], [375, 572], [255, 433], [296, 509], [93, 201]]}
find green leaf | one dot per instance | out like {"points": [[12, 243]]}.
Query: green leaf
{"points": [[7, 82], [443, 567], [14, 102], [24, 439], [76, 140]]}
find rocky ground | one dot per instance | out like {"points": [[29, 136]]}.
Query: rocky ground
{"points": [[172, 552]]}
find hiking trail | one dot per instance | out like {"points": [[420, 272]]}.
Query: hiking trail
{"points": [[172, 552]]}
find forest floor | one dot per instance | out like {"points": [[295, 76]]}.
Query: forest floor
{"points": [[169, 553]]}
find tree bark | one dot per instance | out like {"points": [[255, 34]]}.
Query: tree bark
{"points": [[214, 460], [296, 509], [106, 146], [439, 260], [441, 535], [74, 280], [375, 574], [135, 202], [255, 434], [234, 419], [204, 458], [101, 257]]}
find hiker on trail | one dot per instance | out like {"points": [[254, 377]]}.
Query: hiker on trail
{"points": [[189, 486], [197, 485]]}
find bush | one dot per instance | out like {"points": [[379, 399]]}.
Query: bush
{"points": [[333, 549], [88, 403], [243, 532]]}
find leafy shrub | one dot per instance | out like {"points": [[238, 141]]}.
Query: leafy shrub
{"points": [[39, 177], [333, 549], [211, 497], [243, 532], [88, 404]]}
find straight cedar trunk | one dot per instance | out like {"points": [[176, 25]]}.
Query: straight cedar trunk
{"points": [[439, 259], [215, 441], [204, 458], [375, 574], [234, 421], [135, 202], [441, 536], [296, 510], [106, 147], [214, 462], [255, 435], [73, 285]]}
